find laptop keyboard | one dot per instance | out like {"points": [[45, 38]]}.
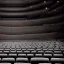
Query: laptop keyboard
{"points": [[32, 52]]}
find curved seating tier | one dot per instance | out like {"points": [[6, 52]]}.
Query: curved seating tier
{"points": [[31, 19]]}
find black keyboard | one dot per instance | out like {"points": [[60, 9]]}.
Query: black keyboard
{"points": [[31, 52]]}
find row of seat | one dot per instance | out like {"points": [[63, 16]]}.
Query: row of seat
{"points": [[33, 22], [20, 52], [33, 60], [31, 44], [30, 30], [32, 19]]}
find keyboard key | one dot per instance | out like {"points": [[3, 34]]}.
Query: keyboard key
{"points": [[22, 59], [39, 59], [8, 59]]}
